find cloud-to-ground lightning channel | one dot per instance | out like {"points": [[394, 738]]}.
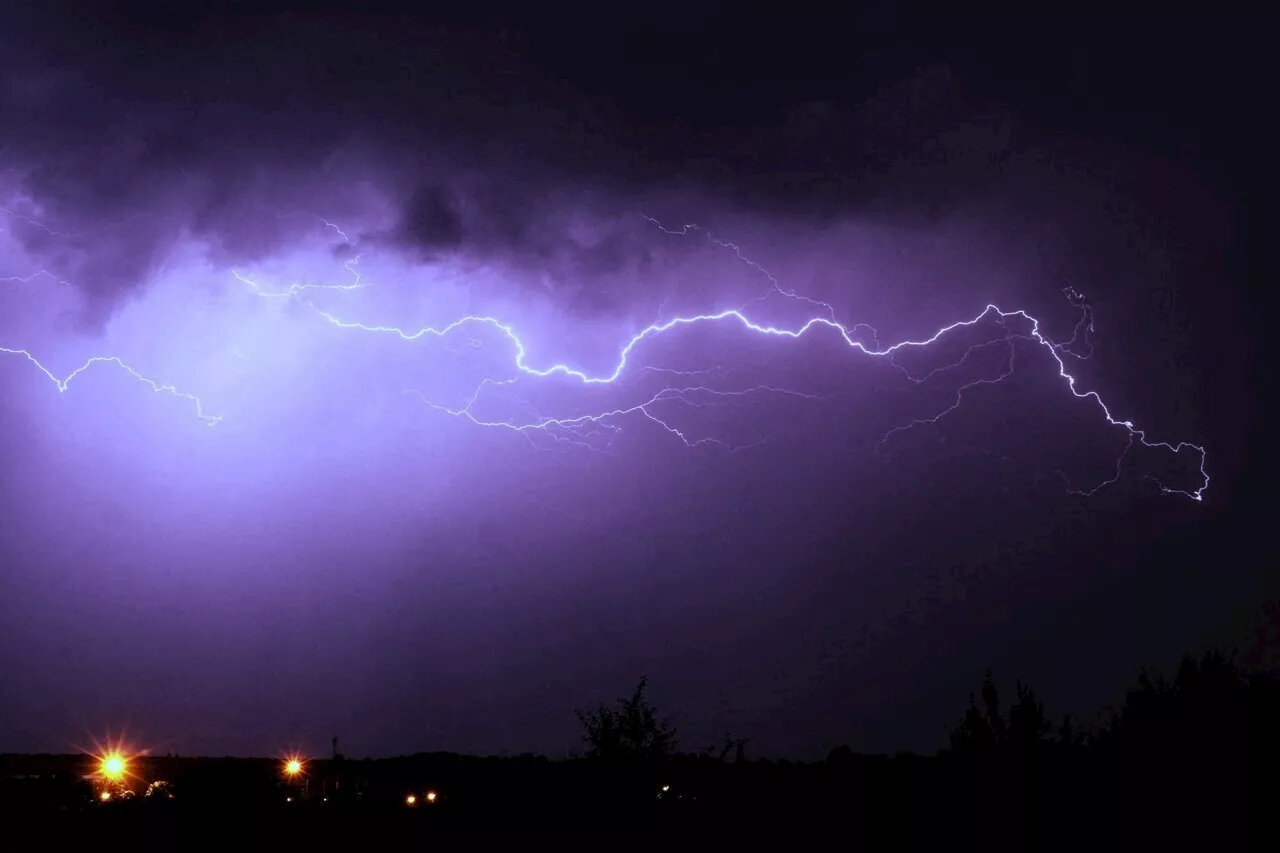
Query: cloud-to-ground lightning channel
{"points": [[580, 427]]}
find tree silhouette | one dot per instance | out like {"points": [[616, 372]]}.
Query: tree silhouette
{"points": [[1029, 725], [1069, 736], [629, 731], [987, 729], [980, 732], [1201, 705], [1183, 746]]}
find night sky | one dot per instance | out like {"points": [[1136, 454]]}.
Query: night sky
{"points": [[458, 371]]}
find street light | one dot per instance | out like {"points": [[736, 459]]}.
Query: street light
{"points": [[113, 767]]}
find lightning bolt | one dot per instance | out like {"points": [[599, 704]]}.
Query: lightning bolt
{"points": [[576, 427], [335, 229], [159, 387], [584, 429], [27, 279], [63, 383], [522, 364]]}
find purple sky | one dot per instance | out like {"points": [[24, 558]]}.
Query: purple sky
{"points": [[325, 523]]}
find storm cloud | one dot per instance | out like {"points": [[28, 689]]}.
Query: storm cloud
{"points": [[377, 441]]}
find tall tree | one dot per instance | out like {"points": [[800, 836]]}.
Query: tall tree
{"points": [[630, 730]]}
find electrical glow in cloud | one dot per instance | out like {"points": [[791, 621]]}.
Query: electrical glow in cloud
{"points": [[584, 428]]}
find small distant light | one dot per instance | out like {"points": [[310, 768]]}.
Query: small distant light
{"points": [[288, 799], [431, 796], [410, 800], [666, 787], [104, 796]]}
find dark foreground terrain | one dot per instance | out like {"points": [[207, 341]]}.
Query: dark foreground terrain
{"points": [[1051, 800], [1190, 760]]}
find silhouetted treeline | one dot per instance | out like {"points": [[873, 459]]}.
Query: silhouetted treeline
{"points": [[1183, 760]]}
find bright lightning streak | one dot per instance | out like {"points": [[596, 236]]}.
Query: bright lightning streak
{"points": [[737, 316], [827, 320], [580, 428], [158, 387], [64, 382]]}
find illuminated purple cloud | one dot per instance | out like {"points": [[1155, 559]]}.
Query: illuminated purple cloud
{"points": [[342, 362]]}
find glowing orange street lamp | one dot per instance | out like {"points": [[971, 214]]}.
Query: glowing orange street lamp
{"points": [[431, 796], [113, 767], [292, 767], [410, 800]]}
